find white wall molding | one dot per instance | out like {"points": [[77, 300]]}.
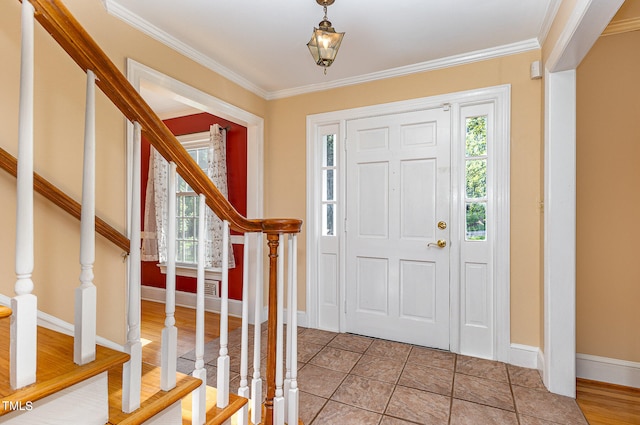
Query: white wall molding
{"points": [[604, 369], [448, 62], [303, 320], [587, 21], [212, 304], [524, 356], [188, 299], [50, 322]]}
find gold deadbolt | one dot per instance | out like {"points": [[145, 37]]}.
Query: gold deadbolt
{"points": [[442, 225], [440, 244]]}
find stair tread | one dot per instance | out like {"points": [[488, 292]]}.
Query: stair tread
{"points": [[55, 367], [152, 399], [215, 415]]}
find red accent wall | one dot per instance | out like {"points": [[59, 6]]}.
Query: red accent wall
{"points": [[237, 181]]}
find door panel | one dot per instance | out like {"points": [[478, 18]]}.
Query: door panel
{"points": [[398, 185]]}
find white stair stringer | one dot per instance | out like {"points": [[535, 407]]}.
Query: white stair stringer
{"points": [[57, 409]]}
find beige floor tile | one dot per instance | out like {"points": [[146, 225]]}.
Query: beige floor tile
{"points": [[482, 368], [365, 393], [529, 420], [319, 380], [334, 413], [483, 391], [308, 406], [350, 342], [467, 413], [547, 406], [431, 379], [419, 406], [316, 336], [380, 368], [523, 377], [432, 358], [390, 349], [333, 358], [389, 420], [306, 351]]}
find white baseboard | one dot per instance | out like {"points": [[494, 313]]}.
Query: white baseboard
{"points": [[51, 322], [541, 364], [524, 356], [604, 369], [188, 299], [303, 320]]}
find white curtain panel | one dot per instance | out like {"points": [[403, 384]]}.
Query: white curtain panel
{"points": [[155, 220]]}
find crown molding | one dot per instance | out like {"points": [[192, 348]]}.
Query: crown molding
{"points": [[114, 9], [552, 10], [465, 58], [156, 33], [622, 26]]}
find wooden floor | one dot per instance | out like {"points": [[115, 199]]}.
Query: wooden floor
{"points": [[607, 404], [602, 404], [153, 317]]}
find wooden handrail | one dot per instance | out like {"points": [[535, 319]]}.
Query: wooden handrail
{"points": [[72, 37], [5, 312], [10, 164]]}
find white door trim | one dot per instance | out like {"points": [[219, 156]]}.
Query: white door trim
{"points": [[137, 72], [500, 95], [586, 23]]}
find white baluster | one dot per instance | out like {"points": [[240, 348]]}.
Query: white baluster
{"points": [[256, 382], [287, 376], [223, 359], [24, 304], [292, 326], [243, 391], [199, 396], [278, 401], [168, 356], [84, 344], [132, 370]]}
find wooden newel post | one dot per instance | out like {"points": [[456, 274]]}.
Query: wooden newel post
{"points": [[273, 242]]}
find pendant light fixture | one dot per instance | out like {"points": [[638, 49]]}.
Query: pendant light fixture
{"points": [[325, 41]]}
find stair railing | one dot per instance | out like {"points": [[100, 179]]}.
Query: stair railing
{"points": [[101, 71]]}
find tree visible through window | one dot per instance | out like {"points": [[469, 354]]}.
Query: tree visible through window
{"points": [[476, 178]]}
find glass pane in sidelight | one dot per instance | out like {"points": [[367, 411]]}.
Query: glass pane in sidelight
{"points": [[476, 136], [328, 185], [328, 150], [328, 219], [476, 178], [476, 221]]}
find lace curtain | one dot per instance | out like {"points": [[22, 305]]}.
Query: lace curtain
{"points": [[154, 237]]}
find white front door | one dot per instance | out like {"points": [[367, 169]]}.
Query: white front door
{"points": [[398, 191]]}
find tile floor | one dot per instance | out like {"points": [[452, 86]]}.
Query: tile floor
{"points": [[347, 379]]}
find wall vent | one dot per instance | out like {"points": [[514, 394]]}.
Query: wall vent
{"points": [[211, 288]]}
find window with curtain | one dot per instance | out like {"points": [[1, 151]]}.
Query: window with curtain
{"points": [[209, 152]]}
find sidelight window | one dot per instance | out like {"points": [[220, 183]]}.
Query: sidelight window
{"points": [[476, 178], [329, 180]]}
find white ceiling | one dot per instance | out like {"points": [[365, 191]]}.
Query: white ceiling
{"points": [[261, 45]]}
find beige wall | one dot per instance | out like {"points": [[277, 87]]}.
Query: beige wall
{"points": [[59, 132], [59, 129], [286, 175], [608, 148]]}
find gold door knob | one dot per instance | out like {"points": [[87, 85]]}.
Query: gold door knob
{"points": [[442, 225], [440, 244]]}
